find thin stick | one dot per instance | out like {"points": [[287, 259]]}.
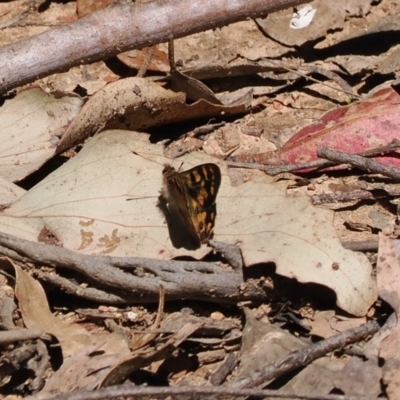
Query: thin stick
{"points": [[342, 197], [363, 163], [345, 87]]}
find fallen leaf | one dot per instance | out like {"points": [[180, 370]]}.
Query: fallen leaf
{"points": [[388, 277], [9, 192], [176, 320], [359, 377], [37, 315], [94, 364], [320, 326], [349, 323], [104, 201], [135, 104], [263, 344], [32, 123], [327, 324], [85, 7], [87, 79], [77, 344], [193, 88]]}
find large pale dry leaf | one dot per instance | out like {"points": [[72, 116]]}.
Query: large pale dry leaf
{"points": [[9, 192], [388, 276], [30, 124], [104, 201]]}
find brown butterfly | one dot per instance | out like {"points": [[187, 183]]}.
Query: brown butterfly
{"points": [[191, 198]]}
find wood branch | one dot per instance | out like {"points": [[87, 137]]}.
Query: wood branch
{"points": [[88, 293], [119, 28], [18, 335], [16, 359], [341, 197], [360, 162], [197, 392], [366, 245], [181, 279]]}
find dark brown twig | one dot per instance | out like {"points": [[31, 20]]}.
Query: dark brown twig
{"points": [[219, 376], [206, 129], [362, 246], [171, 54], [147, 337], [363, 163], [301, 358], [345, 87]]}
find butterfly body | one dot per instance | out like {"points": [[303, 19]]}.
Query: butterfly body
{"points": [[191, 198]]}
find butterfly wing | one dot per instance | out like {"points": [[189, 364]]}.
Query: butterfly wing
{"points": [[175, 193], [201, 184]]}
